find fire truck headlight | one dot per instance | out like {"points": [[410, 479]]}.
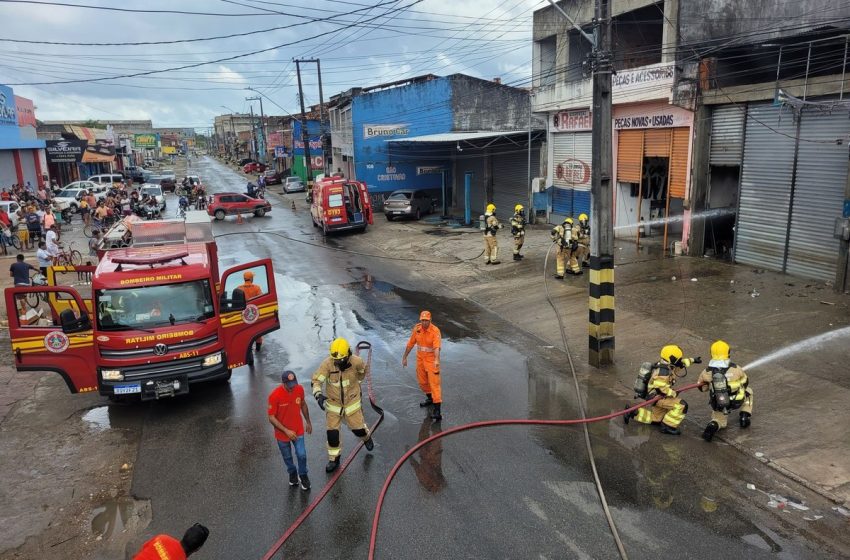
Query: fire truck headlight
{"points": [[112, 375], [212, 359]]}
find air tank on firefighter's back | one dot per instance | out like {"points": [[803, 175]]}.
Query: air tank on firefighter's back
{"points": [[641, 386]]}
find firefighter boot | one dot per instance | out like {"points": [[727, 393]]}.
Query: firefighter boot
{"points": [[369, 444], [332, 465], [629, 415], [435, 414], [665, 429], [710, 430], [745, 419], [427, 402], [517, 257]]}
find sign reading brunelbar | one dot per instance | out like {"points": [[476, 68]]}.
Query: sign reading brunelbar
{"points": [[378, 130]]}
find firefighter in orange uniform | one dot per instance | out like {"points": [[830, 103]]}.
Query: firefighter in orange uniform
{"points": [[251, 291], [164, 547], [426, 338]]}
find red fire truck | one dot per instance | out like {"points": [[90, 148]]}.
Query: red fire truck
{"points": [[337, 204], [150, 320]]}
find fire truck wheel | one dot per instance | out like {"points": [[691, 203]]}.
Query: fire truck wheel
{"points": [[219, 215]]}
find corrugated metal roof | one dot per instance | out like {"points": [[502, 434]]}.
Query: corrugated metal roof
{"points": [[456, 136]]}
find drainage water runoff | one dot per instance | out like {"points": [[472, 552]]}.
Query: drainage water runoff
{"points": [[812, 343]]}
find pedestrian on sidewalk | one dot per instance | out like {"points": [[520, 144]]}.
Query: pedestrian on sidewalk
{"points": [[518, 230], [286, 408], [43, 257], [491, 243], [728, 388], [662, 376], [340, 375], [20, 271], [426, 338], [166, 547]]}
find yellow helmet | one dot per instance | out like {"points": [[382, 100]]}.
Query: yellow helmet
{"points": [[568, 221], [719, 350], [582, 217], [491, 208], [340, 349], [671, 353], [519, 208]]}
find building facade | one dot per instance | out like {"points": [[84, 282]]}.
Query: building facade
{"points": [[22, 157]]}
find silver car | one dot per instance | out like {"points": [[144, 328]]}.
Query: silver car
{"points": [[408, 203], [293, 184]]}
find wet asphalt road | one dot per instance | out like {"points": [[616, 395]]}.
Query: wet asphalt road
{"points": [[496, 493]]}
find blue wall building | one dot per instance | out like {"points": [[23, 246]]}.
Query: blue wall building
{"points": [[314, 132]]}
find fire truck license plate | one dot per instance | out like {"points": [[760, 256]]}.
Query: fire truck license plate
{"points": [[127, 389]]}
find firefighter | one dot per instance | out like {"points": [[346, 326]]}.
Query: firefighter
{"points": [[728, 388], [341, 374], [659, 379], [426, 338], [518, 230], [251, 291], [491, 227], [562, 235], [583, 235], [165, 547]]}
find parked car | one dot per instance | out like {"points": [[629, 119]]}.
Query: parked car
{"points": [[154, 191], [11, 207], [169, 174], [231, 204], [107, 179], [244, 161], [408, 203], [293, 184], [272, 177], [168, 184], [137, 174], [253, 167], [70, 196]]}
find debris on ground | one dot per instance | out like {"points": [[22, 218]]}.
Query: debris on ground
{"points": [[843, 511], [754, 293]]}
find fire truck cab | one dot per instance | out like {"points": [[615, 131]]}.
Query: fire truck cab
{"points": [[150, 320], [337, 204]]}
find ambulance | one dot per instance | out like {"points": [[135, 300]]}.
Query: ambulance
{"points": [[337, 204]]}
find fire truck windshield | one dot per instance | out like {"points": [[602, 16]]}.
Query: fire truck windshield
{"points": [[143, 307]]}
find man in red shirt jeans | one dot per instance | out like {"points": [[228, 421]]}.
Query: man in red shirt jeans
{"points": [[286, 406]]}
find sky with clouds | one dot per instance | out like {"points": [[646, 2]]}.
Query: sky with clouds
{"points": [[359, 43]]}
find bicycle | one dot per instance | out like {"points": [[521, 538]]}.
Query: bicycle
{"points": [[69, 257], [33, 299], [9, 237], [99, 225]]}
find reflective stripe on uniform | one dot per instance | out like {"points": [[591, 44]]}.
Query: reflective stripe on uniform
{"points": [[321, 378], [644, 416], [333, 408], [424, 349], [346, 382], [352, 408], [334, 452]]}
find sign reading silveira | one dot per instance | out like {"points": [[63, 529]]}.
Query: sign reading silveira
{"points": [[377, 130]]}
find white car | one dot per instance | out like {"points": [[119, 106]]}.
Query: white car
{"points": [[11, 207], [70, 196], [154, 191]]}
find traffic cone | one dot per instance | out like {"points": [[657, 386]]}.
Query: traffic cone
{"points": [[239, 219]]}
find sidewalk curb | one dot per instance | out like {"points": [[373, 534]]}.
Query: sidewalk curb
{"points": [[618, 389]]}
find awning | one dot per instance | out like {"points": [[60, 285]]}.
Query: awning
{"points": [[93, 157], [86, 133], [458, 136]]}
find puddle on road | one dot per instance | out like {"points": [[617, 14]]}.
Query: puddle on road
{"points": [[440, 232], [117, 520], [98, 418]]}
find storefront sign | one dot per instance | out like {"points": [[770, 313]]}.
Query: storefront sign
{"points": [[144, 140], [317, 162], [641, 77], [384, 130], [315, 144], [8, 111], [26, 111], [275, 139], [65, 151], [572, 121], [573, 171], [280, 152], [428, 170], [392, 174], [169, 150]]}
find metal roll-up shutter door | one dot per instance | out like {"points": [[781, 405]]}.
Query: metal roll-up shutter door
{"points": [[679, 162], [477, 164], [629, 156], [581, 202], [572, 153], [818, 195], [28, 167], [765, 187], [8, 175], [656, 142], [727, 135], [562, 204], [510, 178]]}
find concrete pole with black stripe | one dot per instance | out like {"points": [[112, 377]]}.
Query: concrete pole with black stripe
{"points": [[601, 285]]}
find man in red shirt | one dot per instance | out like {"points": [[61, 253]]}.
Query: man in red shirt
{"points": [[286, 406], [165, 547], [426, 338]]}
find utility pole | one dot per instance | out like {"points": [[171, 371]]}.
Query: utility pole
{"points": [[322, 118], [305, 137], [262, 128], [601, 284], [254, 135]]}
